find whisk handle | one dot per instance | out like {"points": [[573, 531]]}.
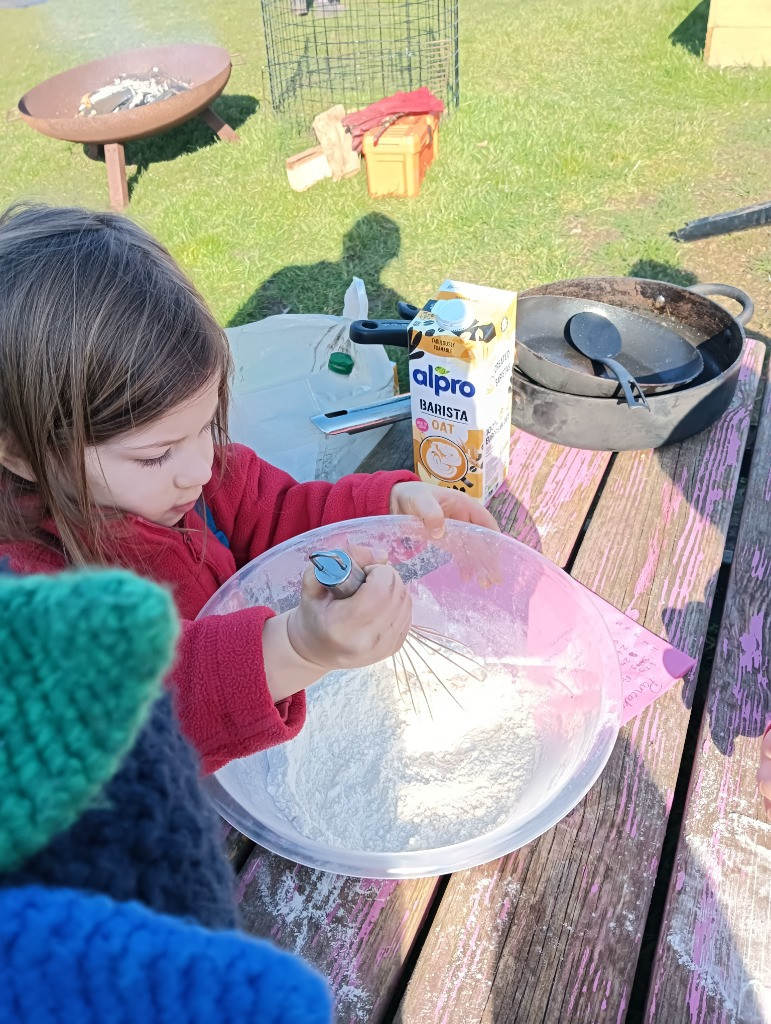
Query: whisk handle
{"points": [[337, 571]]}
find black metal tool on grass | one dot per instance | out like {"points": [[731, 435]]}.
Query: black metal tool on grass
{"points": [[725, 223]]}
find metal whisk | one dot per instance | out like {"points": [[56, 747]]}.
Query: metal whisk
{"points": [[337, 571]]}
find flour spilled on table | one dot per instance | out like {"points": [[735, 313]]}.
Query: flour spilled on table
{"points": [[370, 772]]}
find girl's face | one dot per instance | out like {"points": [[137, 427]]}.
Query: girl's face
{"points": [[158, 471]]}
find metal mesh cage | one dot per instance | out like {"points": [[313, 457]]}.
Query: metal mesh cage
{"points": [[322, 52]]}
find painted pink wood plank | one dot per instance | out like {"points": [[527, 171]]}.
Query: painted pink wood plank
{"points": [[545, 498], [552, 932], [360, 933], [237, 846], [547, 494], [713, 963], [356, 931]]}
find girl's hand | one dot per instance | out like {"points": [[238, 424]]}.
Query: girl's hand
{"points": [[359, 630], [434, 504], [764, 772]]}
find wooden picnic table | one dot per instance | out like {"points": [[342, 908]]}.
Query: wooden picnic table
{"points": [[554, 931]]}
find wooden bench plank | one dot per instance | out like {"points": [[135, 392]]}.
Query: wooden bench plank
{"points": [[357, 931], [360, 933], [394, 451], [548, 493], [237, 846], [552, 932], [713, 962], [545, 498]]}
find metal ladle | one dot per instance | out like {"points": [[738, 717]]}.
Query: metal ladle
{"points": [[598, 338]]}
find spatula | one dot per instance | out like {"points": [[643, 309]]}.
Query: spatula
{"points": [[598, 338]]}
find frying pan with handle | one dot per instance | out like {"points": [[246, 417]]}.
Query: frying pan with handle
{"points": [[595, 424], [658, 357], [381, 332]]}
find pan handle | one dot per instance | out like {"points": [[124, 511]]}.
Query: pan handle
{"points": [[380, 332], [748, 306], [406, 310], [353, 421]]}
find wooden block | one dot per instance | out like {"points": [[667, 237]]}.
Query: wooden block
{"points": [[552, 932], [738, 33], [740, 13], [336, 143], [713, 961], [729, 46], [307, 168]]}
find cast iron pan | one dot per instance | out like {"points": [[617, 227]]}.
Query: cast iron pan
{"points": [[604, 424], [384, 332], [657, 357]]}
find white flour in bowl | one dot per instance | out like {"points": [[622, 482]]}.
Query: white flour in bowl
{"points": [[368, 772]]}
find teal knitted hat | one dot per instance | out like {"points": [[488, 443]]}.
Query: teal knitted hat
{"points": [[82, 657]]}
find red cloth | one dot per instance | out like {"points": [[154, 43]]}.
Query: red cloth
{"points": [[219, 679], [386, 111]]}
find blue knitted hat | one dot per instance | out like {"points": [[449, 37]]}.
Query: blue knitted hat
{"points": [[112, 857]]}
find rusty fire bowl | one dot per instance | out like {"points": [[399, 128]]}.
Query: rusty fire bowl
{"points": [[52, 106]]}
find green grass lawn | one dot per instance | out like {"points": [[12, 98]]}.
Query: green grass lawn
{"points": [[587, 130]]}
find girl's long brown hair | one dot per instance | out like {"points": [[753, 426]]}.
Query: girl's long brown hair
{"points": [[100, 332]]}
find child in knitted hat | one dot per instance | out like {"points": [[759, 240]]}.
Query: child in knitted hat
{"points": [[115, 896]]}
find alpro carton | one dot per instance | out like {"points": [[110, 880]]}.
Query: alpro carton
{"points": [[461, 353]]}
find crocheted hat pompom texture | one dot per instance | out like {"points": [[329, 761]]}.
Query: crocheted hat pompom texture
{"points": [[82, 657], [69, 957], [150, 835]]}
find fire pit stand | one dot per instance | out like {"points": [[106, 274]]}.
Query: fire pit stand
{"points": [[52, 107], [115, 158]]}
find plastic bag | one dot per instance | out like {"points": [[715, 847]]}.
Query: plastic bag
{"points": [[283, 377]]}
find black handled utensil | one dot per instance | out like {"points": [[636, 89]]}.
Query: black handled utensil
{"points": [[380, 332], [598, 338]]}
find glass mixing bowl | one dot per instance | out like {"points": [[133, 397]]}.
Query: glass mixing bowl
{"points": [[518, 613]]}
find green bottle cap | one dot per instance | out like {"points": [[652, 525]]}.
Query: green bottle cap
{"points": [[340, 362]]}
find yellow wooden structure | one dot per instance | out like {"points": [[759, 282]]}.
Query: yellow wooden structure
{"points": [[738, 33]]}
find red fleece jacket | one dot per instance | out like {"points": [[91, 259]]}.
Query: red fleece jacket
{"points": [[219, 681]]}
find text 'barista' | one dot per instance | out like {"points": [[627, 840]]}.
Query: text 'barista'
{"points": [[461, 355]]}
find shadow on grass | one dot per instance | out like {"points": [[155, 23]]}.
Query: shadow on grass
{"points": [[187, 137], [655, 270], [691, 33], [367, 249]]}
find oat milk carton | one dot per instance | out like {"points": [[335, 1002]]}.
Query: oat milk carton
{"points": [[461, 353]]}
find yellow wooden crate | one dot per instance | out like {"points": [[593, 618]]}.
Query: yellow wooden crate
{"points": [[738, 33]]}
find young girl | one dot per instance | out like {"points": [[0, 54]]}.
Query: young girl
{"points": [[113, 409]]}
